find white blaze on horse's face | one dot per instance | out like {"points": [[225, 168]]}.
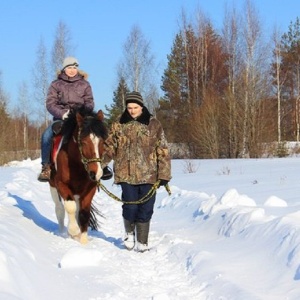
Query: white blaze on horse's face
{"points": [[96, 142]]}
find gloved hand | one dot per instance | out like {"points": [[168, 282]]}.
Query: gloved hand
{"points": [[163, 182], [107, 173], [65, 115], [56, 127]]}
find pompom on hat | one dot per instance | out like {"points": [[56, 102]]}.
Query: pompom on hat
{"points": [[70, 61], [134, 97]]}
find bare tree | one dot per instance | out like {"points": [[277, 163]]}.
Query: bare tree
{"points": [[231, 41], [40, 75], [255, 86], [206, 129], [278, 79], [62, 46], [24, 113], [204, 82], [137, 64]]}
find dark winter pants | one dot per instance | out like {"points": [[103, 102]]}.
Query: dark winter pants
{"points": [[137, 212]]}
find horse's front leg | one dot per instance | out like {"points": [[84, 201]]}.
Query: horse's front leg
{"points": [[72, 210], [71, 207], [85, 214]]}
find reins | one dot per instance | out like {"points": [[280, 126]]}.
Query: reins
{"points": [[140, 201]]}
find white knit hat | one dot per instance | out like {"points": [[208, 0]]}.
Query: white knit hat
{"points": [[70, 61]]}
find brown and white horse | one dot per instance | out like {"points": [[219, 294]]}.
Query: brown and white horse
{"points": [[76, 171]]}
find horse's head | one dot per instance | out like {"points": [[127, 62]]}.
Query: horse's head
{"points": [[90, 138]]}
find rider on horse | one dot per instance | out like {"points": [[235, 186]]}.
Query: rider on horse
{"points": [[69, 91]]}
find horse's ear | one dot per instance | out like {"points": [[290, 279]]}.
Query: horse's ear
{"points": [[79, 119], [100, 115]]}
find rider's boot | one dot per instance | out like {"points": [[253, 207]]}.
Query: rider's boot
{"points": [[45, 173]]}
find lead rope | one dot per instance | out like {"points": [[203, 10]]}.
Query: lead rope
{"points": [[140, 201]]}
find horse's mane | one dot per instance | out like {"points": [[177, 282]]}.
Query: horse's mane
{"points": [[91, 124]]}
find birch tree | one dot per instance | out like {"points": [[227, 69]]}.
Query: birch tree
{"points": [[24, 114], [62, 47], [40, 74], [137, 65], [231, 36], [279, 80], [255, 86]]}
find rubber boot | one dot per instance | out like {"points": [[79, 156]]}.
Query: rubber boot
{"points": [[142, 231], [129, 240]]}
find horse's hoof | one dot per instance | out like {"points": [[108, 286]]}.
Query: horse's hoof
{"points": [[74, 231], [84, 238], [75, 237]]}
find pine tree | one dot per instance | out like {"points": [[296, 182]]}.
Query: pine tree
{"points": [[118, 105], [5, 120], [174, 84]]}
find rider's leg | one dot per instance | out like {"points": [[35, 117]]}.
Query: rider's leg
{"points": [[46, 143]]}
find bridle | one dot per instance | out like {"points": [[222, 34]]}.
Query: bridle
{"points": [[85, 160]]}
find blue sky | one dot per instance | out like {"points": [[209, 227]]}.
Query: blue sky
{"points": [[99, 29]]}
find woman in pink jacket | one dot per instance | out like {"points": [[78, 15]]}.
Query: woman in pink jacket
{"points": [[69, 91]]}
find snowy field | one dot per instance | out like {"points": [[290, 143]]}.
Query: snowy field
{"points": [[229, 231]]}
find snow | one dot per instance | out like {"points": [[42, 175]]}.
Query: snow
{"points": [[230, 230]]}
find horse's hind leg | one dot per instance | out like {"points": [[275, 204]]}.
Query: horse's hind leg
{"points": [[71, 209], [59, 208]]}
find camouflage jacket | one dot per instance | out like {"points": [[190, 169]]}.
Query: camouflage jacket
{"points": [[139, 150]]}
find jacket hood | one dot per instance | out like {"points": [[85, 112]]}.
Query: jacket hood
{"points": [[144, 118]]}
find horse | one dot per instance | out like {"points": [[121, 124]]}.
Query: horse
{"points": [[76, 171]]}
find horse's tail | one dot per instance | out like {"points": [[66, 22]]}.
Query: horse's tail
{"points": [[94, 222]]}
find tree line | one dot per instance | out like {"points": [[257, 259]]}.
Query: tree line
{"points": [[225, 93], [231, 93]]}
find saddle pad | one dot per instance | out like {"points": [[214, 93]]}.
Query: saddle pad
{"points": [[56, 146]]}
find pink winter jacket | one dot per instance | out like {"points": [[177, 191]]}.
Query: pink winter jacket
{"points": [[66, 93]]}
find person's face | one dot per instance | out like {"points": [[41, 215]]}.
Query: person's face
{"points": [[71, 71], [134, 110]]}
